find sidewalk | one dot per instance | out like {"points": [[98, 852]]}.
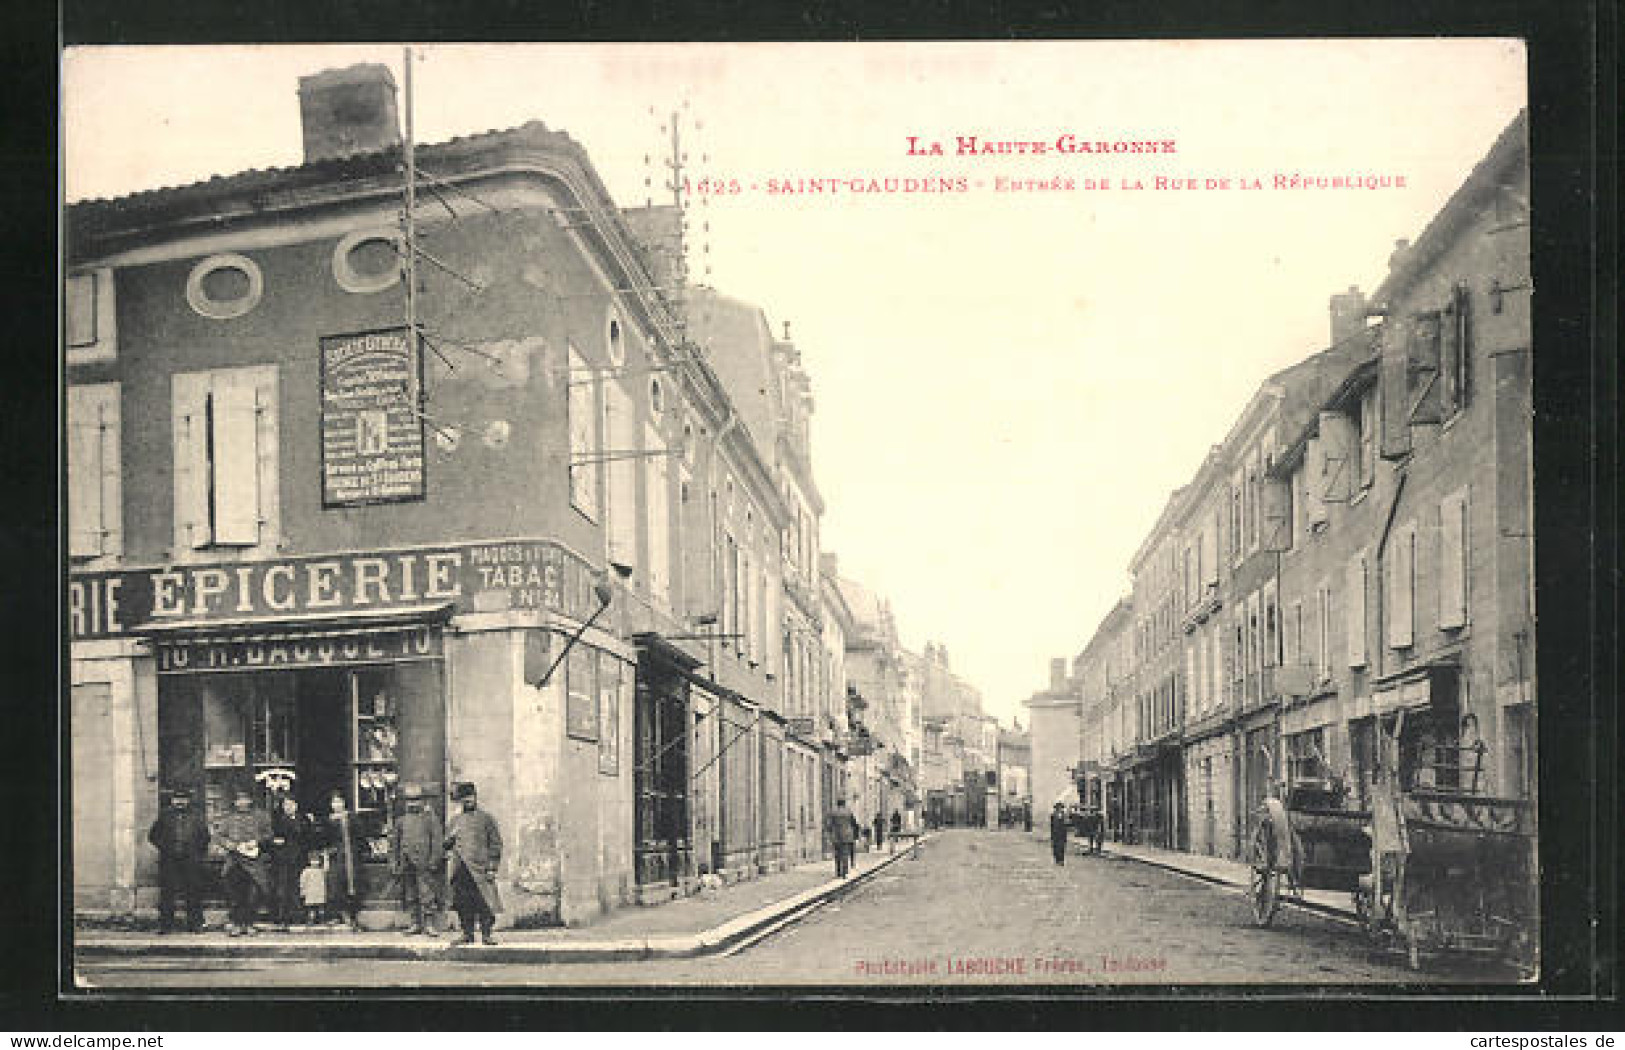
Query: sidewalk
{"points": [[699, 925], [1232, 874]]}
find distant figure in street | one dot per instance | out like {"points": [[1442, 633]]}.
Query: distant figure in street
{"points": [[896, 823], [474, 846], [1057, 833], [415, 859], [245, 836], [182, 839], [880, 830], [842, 828], [1027, 816]]}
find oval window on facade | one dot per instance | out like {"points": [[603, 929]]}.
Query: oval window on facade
{"points": [[368, 261], [225, 286]]}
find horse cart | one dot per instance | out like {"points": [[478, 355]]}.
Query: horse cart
{"points": [[1433, 864]]}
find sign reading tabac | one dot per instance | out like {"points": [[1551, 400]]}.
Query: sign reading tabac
{"points": [[372, 434]]}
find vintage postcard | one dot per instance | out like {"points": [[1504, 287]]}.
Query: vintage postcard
{"points": [[882, 517]]}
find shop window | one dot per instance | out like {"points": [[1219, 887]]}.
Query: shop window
{"points": [[586, 450], [225, 443], [89, 319], [1306, 756], [95, 500]]}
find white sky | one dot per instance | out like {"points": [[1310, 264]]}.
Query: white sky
{"points": [[1008, 386]]}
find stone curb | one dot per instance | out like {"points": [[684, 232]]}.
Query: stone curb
{"points": [[622, 949], [1331, 911]]}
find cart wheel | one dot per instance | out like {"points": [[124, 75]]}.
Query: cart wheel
{"points": [[1265, 886]]}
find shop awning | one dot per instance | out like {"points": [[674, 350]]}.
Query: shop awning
{"points": [[299, 625]]}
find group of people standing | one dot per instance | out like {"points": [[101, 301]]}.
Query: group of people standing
{"points": [[299, 865], [842, 830]]}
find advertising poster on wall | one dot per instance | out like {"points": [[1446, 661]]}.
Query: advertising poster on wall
{"points": [[372, 430]]}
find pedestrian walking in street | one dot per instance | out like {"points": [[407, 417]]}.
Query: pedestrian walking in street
{"points": [[342, 848], [896, 828], [182, 840], [1058, 828], [245, 836], [290, 837], [1026, 816], [474, 848], [880, 830], [842, 828], [416, 859]]}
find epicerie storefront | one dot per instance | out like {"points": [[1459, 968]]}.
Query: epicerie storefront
{"points": [[330, 675]]}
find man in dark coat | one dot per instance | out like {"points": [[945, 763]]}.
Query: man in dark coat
{"points": [[290, 836], [1058, 828], [842, 828], [415, 859], [474, 848], [182, 839], [342, 843], [245, 836]]}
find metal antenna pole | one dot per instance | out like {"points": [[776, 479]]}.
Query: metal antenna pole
{"points": [[410, 224]]}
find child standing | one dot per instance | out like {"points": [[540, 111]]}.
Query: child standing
{"points": [[313, 890]]}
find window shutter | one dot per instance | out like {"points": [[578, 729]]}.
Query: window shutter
{"points": [[585, 453], [111, 482], [189, 427], [1356, 622], [1277, 515], [1337, 442], [79, 322], [1210, 552], [1401, 576], [1391, 398], [656, 485], [1425, 402], [1453, 561], [623, 479], [234, 429], [1313, 473], [85, 487]]}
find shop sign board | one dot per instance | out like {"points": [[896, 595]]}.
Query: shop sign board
{"points": [[512, 574], [249, 652], [372, 429]]}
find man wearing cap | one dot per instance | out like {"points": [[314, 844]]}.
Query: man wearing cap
{"points": [[842, 829], [182, 840], [475, 849], [1058, 829], [245, 835], [415, 858]]}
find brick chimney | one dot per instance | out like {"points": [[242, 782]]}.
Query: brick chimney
{"points": [[1348, 314], [348, 111], [1057, 674]]}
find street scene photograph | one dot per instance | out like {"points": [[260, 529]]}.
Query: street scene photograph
{"points": [[864, 518]]}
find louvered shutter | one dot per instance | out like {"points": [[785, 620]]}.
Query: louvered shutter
{"points": [[1453, 561], [235, 431], [1393, 389], [1210, 552], [85, 488], [583, 425], [1277, 514], [1337, 444], [1314, 470], [111, 482], [657, 487], [1356, 621], [1401, 576], [1422, 363], [623, 479], [190, 435]]}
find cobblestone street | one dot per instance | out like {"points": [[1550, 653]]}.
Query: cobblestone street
{"points": [[975, 908]]}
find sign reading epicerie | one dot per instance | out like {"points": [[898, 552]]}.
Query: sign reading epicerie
{"points": [[516, 574], [372, 433]]}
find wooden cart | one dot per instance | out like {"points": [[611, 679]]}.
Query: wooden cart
{"points": [[1433, 865]]}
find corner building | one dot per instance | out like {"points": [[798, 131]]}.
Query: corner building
{"points": [[303, 540]]}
